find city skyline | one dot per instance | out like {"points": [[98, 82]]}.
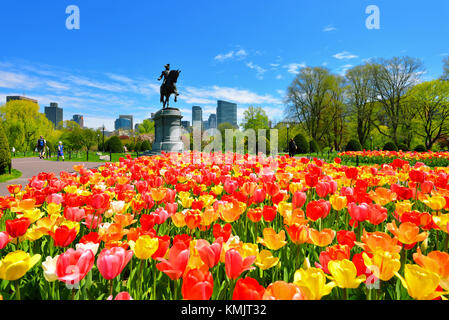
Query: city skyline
{"points": [[104, 69]]}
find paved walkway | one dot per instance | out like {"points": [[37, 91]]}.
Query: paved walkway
{"points": [[33, 166]]}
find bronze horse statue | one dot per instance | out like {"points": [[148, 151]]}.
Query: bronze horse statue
{"points": [[169, 87]]}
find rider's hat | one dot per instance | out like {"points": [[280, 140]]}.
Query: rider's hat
{"points": [[167, 65]]}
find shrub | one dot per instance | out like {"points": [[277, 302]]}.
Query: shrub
{"points": [[5, 152], [420, 148], [114, 144], [301, 144], [138, 146], [314, 146], [353, 145], [403, 147], [390, 146], [146, 146]]}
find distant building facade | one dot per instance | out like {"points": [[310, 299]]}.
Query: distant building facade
{"points": [[185, 124], [54, 113], [122, 124], [130, 117], [12, 98], [226, 112], [78, 119], [212, 122]]}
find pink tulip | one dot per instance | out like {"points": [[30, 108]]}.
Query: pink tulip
{"points": [[210, 254], [171, 208], [230, 186], [4, 239], [73, 265], [259, 195], [74, 214], [92, 221], [111, 262], [122, 296], [235, 264], [358, 213], [299, 198], [178, 257]]}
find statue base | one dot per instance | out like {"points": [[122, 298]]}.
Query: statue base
{"points": [[168, 129]]}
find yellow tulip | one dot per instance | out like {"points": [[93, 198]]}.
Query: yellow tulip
{"points": [[295, 186], [338, 202], [421, 284], [33, 215], [265, 260], [186, 202], [33, 233], [144, 247], [70, 189], [383, 264], [403, 206], [436, 203], [16, 264], [217, 189], [207, 200], [209, 216], [249, 249], [179, 219], [344, 274], [312, 282], [272, 240], [284, 208], [53, 208], [441, 221]]}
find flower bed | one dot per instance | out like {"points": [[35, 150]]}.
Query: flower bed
{"points": [[172, 227]]}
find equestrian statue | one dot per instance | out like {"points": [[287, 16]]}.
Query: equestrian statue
{"points": [[168, 86]]}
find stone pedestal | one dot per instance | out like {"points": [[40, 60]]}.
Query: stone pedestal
{"points": [[167, 125]]}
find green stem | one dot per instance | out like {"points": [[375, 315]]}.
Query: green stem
{"points": [[154, 281], [73, 294], [345, 294], [111, 285], [17, 286], [446, 242]]}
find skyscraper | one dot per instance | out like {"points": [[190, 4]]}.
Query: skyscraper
{"points": [[226, 112], [122, 123], [78, 119], [130, 117], [212, 121], [197, 116], [54, 113]]}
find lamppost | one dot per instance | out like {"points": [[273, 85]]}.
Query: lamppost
{"points": [[288, 126], [103, 138], [371, 143]]}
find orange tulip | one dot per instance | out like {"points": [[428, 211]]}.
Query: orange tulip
{"points": [[124, 219], [321, 238], [158, 194], [338, 202], [436, 203], [295, 217], [373, 241], [407, 233], [382, 196], [437, 262], [231, 212], [281, 290], [299, 233], [114, 232], [272, 240]]}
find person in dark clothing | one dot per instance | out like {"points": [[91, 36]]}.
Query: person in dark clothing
{"points": [[41, 147], [292, 148]]}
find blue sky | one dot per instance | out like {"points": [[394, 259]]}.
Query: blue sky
{"points": [[246, 51]]}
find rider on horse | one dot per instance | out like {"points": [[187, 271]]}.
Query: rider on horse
{"points": [[164, 75]]}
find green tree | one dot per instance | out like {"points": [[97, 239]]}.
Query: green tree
{"points": [[445, 75], [392, 79], [146, 127], [255, 118], [430, 103], [5, 152], [23, 122], [361, 94], [308, 100], [114, 144]]}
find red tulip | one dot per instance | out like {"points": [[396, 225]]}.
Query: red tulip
{"points": [[147, 221], [235, 264], [311, 180], [376, 214], [427, 187], [73, 265], [248, 289], [121, 296], [322, 189], [164, 243], [351, 173], [269, 213], [230, 186], [178, 256], [210, 254], [100, 201], [318, 209], [111, 262], [223, 232], [259, 195], [337, 160], [171, 208], [298, 200], [197, 285], [17, 227], [91, 237], [417, 176], [63, 236], [345, 237], [4, 239]]}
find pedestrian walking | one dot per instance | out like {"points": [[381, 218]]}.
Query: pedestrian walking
{"points": [[41, 143], [60, 151], [292, 148]]}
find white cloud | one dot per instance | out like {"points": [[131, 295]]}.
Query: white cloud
{"points": [[240, 54], [260, 71], [342, 70], [12, 80], [279, 77], [293, 68], [344, 55], [329, 28]]}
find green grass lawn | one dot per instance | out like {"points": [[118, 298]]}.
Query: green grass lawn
{"points": [[93, 157], [15, 174]]}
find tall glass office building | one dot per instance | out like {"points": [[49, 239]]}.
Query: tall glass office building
{"points": [[54, 113], [226, 112]]}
